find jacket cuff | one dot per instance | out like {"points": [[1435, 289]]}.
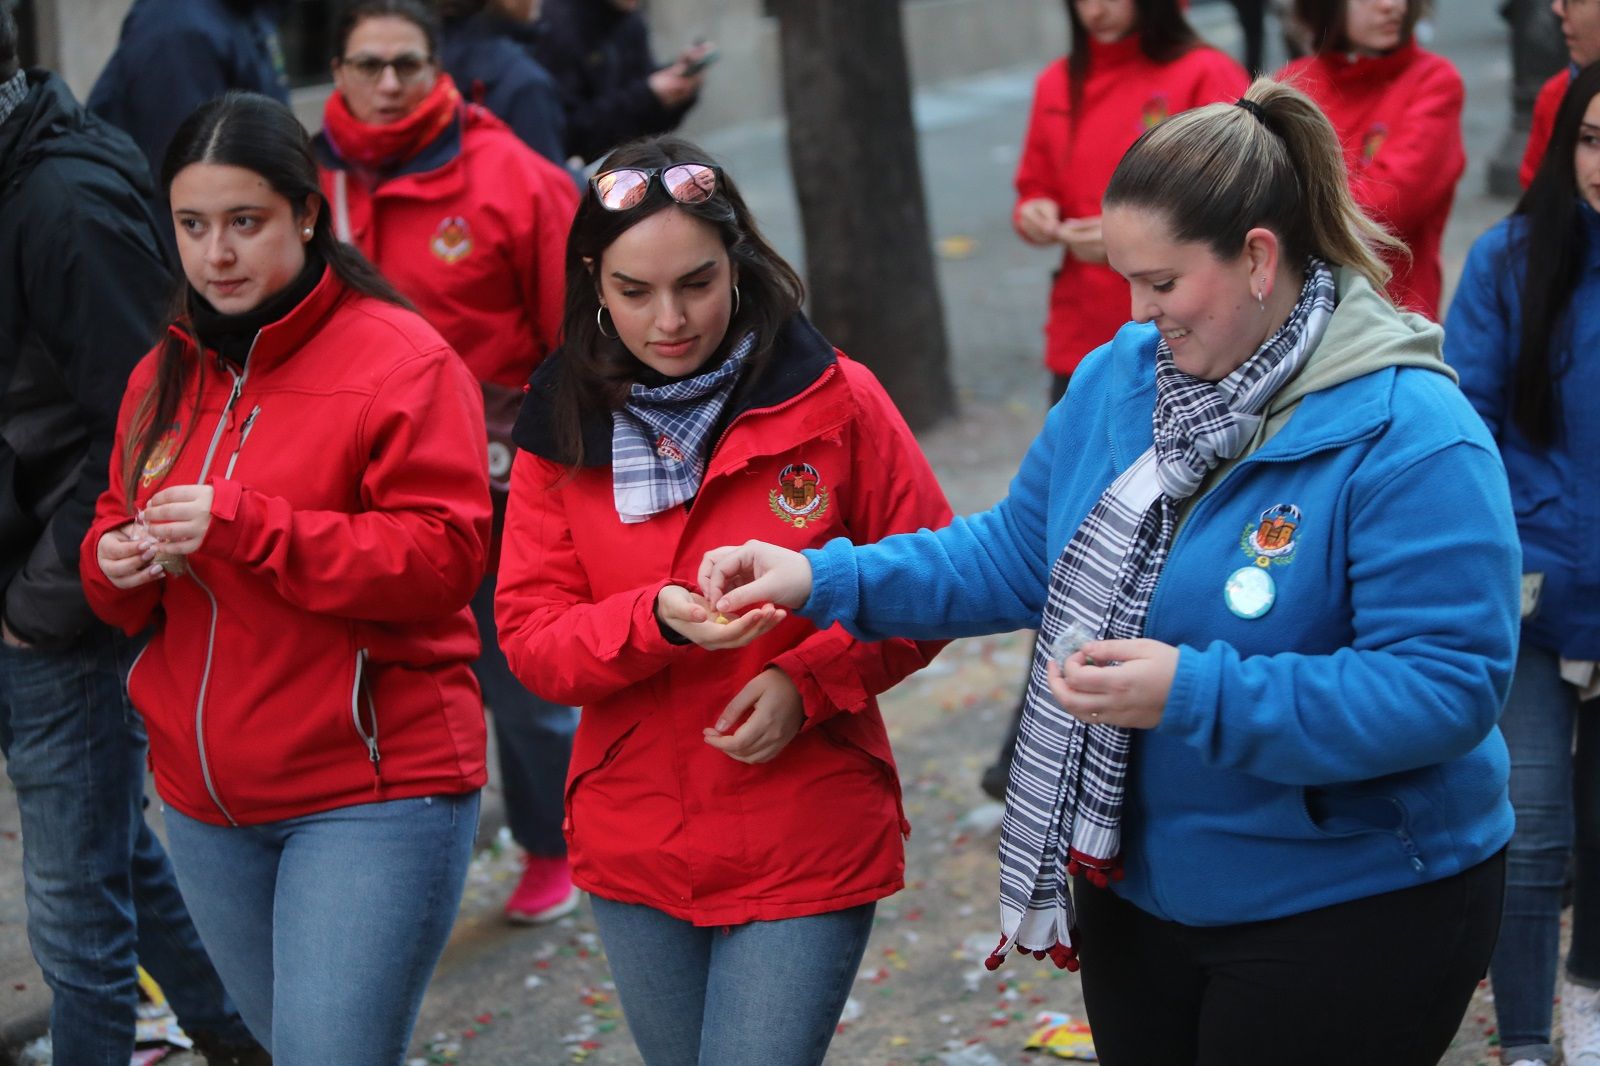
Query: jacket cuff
{"points": [[834, 591], [814, 697], [649, 635], [227, 522], [1192, 695]]}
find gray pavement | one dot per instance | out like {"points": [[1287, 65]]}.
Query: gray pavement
{"points": [[540, 995]]}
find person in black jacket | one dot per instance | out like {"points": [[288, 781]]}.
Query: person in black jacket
{"points": [[174, 55], [80, 300], [486, 47], [611, 85]]}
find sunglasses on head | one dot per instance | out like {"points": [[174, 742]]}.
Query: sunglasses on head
{"points": [[625, 187]]}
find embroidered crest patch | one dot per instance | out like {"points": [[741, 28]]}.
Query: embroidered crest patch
{"points": [[668, 449], [799, 497], [452, 241], [162, 456], [1372, 141], [1155, 111], [1270, 540]]}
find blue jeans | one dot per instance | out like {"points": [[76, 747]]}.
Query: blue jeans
{"points": [[326, 927], [767, 992], [1555, 792], [101, 895], [533, 738]]}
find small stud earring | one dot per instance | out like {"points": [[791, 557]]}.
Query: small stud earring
{"points": [[306, 233]]}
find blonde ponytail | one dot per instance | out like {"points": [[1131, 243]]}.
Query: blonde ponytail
{"points": [[1218, 171]]}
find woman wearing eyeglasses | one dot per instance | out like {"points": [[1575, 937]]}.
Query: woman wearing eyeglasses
{"points": [[734, 815], [469, 223]]}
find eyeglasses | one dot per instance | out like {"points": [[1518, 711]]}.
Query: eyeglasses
{"points": [[408, 66], [687, 183]]}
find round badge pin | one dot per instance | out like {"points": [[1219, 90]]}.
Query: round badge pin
{"points": [[1250, 592]]}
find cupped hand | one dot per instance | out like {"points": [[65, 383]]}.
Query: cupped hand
{"points": [[1083, 239], [127, 557], [1116, 682], [775, 714], [691, 616], [1039, 221], [179, 517], [736, 578]]}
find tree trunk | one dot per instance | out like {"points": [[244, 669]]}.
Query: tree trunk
{"points": [[853, 153]]}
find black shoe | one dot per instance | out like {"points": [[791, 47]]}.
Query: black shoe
{"points": [[217, 1053]]}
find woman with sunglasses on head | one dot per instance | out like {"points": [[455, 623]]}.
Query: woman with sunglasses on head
{"points": [[469, 223], [734, 816], [1397, 107], [1524, 333], [299, 509], [1278, 613]]}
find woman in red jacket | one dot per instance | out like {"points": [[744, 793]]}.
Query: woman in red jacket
{"points": [[470, 224], [299, 510], [734, 816], [1397, 108], [1132, 64]]}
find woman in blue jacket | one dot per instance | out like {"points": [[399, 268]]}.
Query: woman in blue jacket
{"points": [[1524, 334], [1287, 541]]}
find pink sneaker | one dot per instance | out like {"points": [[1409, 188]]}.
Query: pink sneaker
{"points": [[544, 893]]}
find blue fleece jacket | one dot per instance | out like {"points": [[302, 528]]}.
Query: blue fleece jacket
{"points": [[1556, 490], [1344, 743]]}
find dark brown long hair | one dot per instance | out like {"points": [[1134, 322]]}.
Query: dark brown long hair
{"points": [[1554, 252], [260, 135], [596, 371], [1164, 35], [1324, 22]]}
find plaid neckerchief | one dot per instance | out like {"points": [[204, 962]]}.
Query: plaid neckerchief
{"points": [[13, 91], [659, 438], [1064, 802]]}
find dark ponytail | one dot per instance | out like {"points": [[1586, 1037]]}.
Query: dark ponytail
{"points": [[1555, 252], [260, 135]]}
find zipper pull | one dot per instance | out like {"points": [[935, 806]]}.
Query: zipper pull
{"points": [[244, 435]]}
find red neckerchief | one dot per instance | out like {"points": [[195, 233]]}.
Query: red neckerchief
{"points": [[377, 148]]}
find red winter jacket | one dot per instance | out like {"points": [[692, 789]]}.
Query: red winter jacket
{"points": [[474, 231], [1069, 160], [654, 814], [1399, 119], [1545, 106], [317, 654]]}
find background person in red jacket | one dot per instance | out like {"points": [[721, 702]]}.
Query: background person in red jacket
{"points": [[1580, 25], [1132, 64], [1397, 108], [470, 223], [299, 507], [735, 815]]}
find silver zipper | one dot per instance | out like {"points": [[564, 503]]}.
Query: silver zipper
{"points": [[244, 435], [211, 634], [200, 702], [369, 739]]}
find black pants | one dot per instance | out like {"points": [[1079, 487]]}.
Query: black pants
{"points": [[1384, 979]]}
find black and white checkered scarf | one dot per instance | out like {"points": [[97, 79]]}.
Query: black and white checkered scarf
{"points": [[659, 438], [1064, 801]]}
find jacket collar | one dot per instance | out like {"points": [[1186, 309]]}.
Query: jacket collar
{"points": [[798, 358], [1348, 68], [275, 343]]}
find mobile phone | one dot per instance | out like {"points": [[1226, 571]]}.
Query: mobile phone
{"points": [[694, 67]]}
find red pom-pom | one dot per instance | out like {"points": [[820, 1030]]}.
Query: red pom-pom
{"points": [[993, 962]]}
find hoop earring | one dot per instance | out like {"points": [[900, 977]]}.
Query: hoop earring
{"points": [[600, 323], [735, 301]]}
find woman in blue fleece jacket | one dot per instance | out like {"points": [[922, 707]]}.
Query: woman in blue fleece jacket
{"points": [[1288, 543], [1524, 334]]}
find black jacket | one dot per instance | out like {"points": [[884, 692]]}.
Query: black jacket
{"points": [[489, 52], [83, 288], [174, 55], [601, 60]]}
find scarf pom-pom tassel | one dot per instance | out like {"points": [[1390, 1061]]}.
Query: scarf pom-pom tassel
{"points": [[1098, 872], [1063, 955]]}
